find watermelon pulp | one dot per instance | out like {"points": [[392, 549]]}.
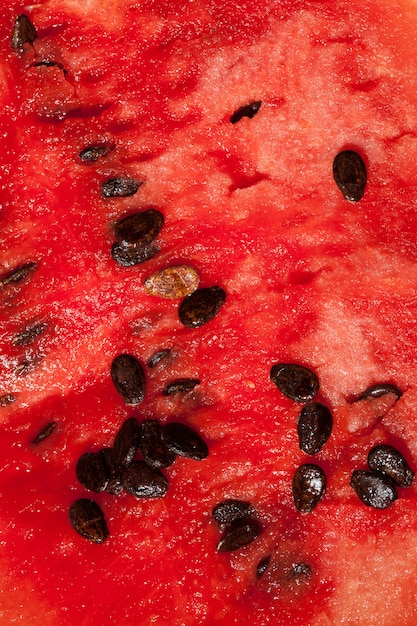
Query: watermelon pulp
{"points": [[310, 278]]}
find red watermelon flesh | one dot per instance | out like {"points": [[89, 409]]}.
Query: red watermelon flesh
{"points": [[310, 278]]}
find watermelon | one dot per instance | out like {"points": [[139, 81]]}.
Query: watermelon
{"points": [[208, 278]]}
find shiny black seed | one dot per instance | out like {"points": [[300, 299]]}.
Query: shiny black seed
{"points": [[120, 187], [381, 389], [314, 427], [91, 154], [88, 520], [153, 447], [128, 378], [18, 274], [249, 110], [229, 510], [139, 228], [126, 442], [201, 306], [28, 336], [374, 488], [92, 471], [308, 487], [182, 385], [23, 32], [349, 173], [143, 481], [262, 566], [157, 357], [45, 432], [240, 533], [390, 461], [295, 381], [184, 441], [129, 255]]}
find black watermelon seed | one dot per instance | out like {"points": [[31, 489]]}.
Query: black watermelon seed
{"points": [[314, 427], [23, 32], [153, 447], [129, 255], [129, 378], [158, 357], [18, 274], [308, 487], [249, 110], [295, 381], [88, 520], [262, 566], [143, 481], [44, 433], [120, 187], [126, 442], [91, 154], [7, 399], [28, 336], [374, 488], [230, 510], [390, 461], [92, 471], [201, 306], [184, 441], [139, 228], [349, 173], [241, 532], [378, 390], [182, 385]]}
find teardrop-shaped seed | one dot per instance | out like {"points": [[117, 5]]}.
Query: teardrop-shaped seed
{"points": [[241, 532], [390, 461], [230, 510], [129, 255], [92, 471], [184, 441], [88, 520], [126, 442], [182, 385], [349, 173], [201, 306], [374, 488], [91, 154], [120, 187], [262, 566], [23, 32], [143, 481], [153, 447], [158, 357], [176, 281], [139, 228], [314, 427], [129, 378], [378, 390], [44, 433], [308, 487], [18, 274], [295, 381], [248, 110]]}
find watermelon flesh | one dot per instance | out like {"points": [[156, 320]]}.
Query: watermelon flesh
{"points": [[310, 278]]}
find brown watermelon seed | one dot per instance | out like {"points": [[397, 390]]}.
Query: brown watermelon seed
{"points": [[92, 471], [229, 510], [308, 487], [153, 447], [126, 442], [374, 488], [176, 281], [88, 520], [378, 390], [128, 378], [184, 441], [28, 336], [120, 187], [129, 255], [139, 228], [93, 153], [241, 532], [6, 399], [45, 432], [390, 461], [314, 427], [23, 32], [201, 306], [249, 110], [262, 566], [143, 481], [295, 381], [182, 385], [158, 357], [349, 173], [18, 274]]}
